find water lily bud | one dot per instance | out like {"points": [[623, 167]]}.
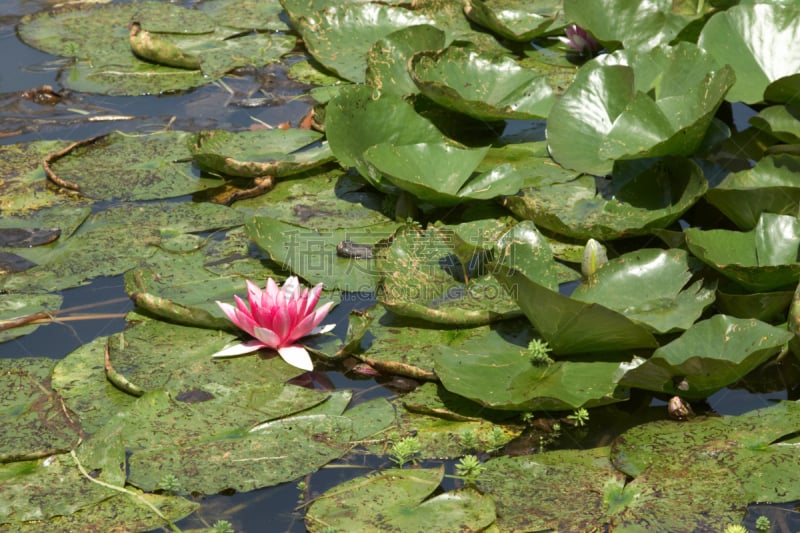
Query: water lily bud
{"points": [[678, 409], [580, 40], [594, 256]]}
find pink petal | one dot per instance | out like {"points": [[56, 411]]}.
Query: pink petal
{"points": [[313, 297], [296, 356], [266, 337], [280, 323], [242, 320], [310, 322], [240, 349]]}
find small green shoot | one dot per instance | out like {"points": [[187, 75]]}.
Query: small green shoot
{"points": [[405, 450], [468, 441], [762, 523], [469, 468], [170, 484], [537, 351], [222, 526], [496, 439], [579, 417]]}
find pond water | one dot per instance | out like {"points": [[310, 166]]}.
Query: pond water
{"points": [[22, 68]]}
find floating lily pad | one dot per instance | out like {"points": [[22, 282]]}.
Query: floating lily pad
{"points": [[312, 253], [98, 37], [20, 305], [762, 259], [709, 356], [481, 85], [768, 307], [515, 19], [252, 154], [551, 478], [340, 37], [432, 172], [632, 106], [500, 374], [648, 286], [123, 511], [24, 185], [105, 245], [525, 267], [263, 15], [743, 445], [400, 500], [769, 187], [354, 121], [387, 61], [35, 424], [748, 37], [782, 121], [642, 196], [421, 277], [149, 167], [291, 447], [321, 200], [155, 355], [637, 25]]}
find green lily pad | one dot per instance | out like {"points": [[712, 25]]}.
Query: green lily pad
{"points": [[153, 167], [155, 355], [637, 25], [642, 196], [387, 61], [525, 266], [399, 500], [123, 511], [312, 253], [105, 245], [762, 259], [516, 20], [750, 38], [245, 14], [24, 185], [97, 36], [421, 277], [355, 121], [252, 154], [81, 382], [768, 307], [44, 488], [35, 424], [781, 121], [483, 86], [340, 37], [749, 446], [19, 305], [320, 200], [769, 187], [632, 106], [709, 356], [784, 90], [648, 286], [433, 173], [291, 447], [500, 374], [550, 478]]}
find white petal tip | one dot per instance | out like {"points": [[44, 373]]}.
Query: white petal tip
{"points": [[297, 356], [238, 349]]}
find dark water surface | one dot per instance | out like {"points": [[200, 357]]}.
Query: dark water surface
{"points": [[21, 68]]}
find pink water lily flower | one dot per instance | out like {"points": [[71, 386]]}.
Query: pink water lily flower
{"points": [[277, 317]]}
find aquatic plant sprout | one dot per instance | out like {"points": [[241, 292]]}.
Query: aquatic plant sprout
{"points": [[277, 317]]}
